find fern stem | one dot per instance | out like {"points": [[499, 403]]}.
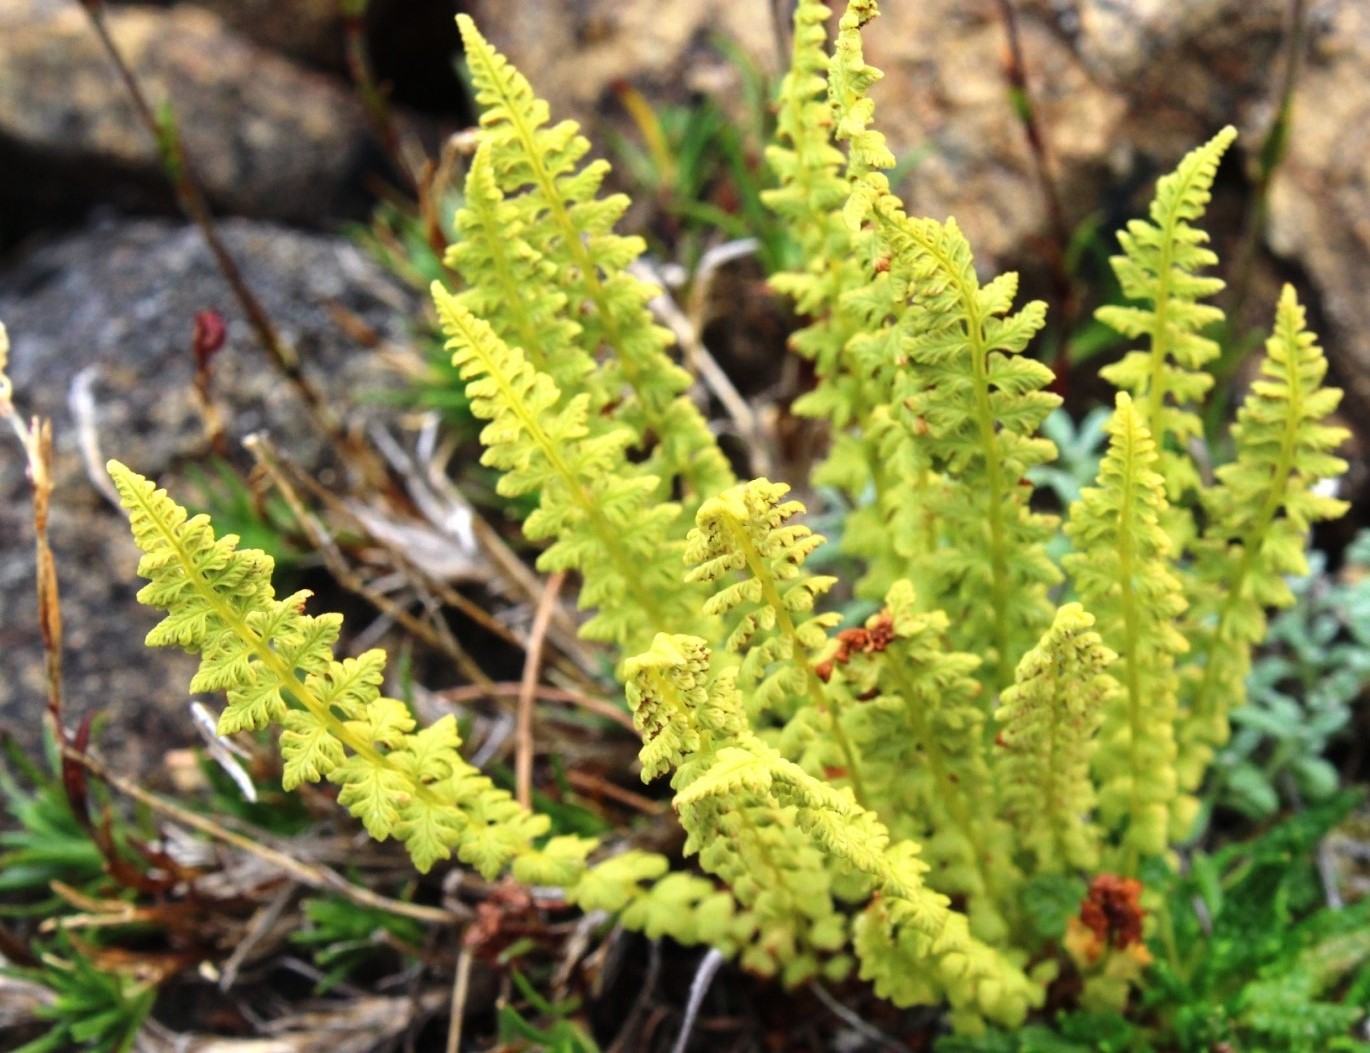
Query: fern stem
{"points": [[761, 572], [1132, 653], [1156, 392], [952, 795]]}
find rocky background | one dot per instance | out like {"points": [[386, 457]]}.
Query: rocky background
{"points": [[100, 277]]}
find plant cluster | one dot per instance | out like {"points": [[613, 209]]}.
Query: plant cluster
{"points": [[1037, 699]]}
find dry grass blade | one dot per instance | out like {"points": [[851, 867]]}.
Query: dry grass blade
{"points": [[523, 749], [311, 875]]}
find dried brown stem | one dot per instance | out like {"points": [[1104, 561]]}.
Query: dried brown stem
{"points": [[436, 635], [503, 689], [315, 876], [523, 745]]}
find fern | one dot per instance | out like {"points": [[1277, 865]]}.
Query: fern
{"points": [[971, 409], [605, 515], [845, 792], [1120, 569], [412, 785], [919, 728], [553, 196], [766, 825], [1258, 517], [1161, 265], [513, 285], [1050, 718]]}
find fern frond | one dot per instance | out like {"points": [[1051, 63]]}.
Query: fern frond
{"points": [[1050, 719], [538, 169], [512, 286], [809, 197], [765, 825], [920, 732], [746, 529], [261, 650], [1258, 518], [1161, 266], [975, 407], [1121, 568], [778, 637], [693, 723], [606, 519], [971, 404]]}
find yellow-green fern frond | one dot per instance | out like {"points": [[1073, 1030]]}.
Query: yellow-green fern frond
{"points": [[512, 286], [1050, 719], [975, 404], [692, 723], [1122, 570], [920, 732], [277, 666], [747, 529], [766, 826], [807, 165], [605, 516], [538, 169], [1258, 518], [1161, 266], [969, 401]]}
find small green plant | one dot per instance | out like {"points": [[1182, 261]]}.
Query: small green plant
{"points": [[1249, 956], [561, 1035], [343, 936], [45, 840], [886, 800], [705, 170], [91, 1009]]}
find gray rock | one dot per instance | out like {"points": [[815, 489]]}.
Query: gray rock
{"points": [[1320, 204], [114, 303], [575, 52], [308, 31], [266, 138]]}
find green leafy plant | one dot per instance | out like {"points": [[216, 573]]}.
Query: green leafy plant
{"points": [[46, 840], [343, 936], [1248, 956], [561, 1033], [703, 168], [887, 799], [91, 1009]]}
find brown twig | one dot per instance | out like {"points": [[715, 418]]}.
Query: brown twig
{"points": [[374, 99], [36, 439], [461, 991], [513, 570], [1058, 235], [594, 784], [313, 876], [436, 635], [503, 689], [523, 743]]}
